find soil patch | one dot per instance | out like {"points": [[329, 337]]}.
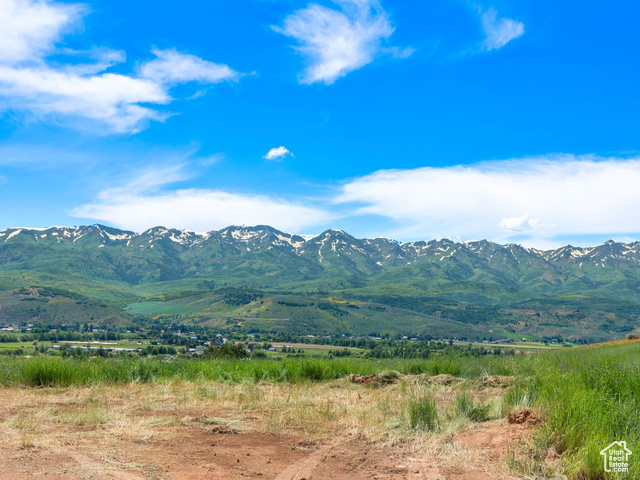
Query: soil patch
{"points": [[166, 432], [526, 415]]}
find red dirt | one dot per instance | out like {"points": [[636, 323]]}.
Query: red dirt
{"points": [[207, 455], [199, 447], [525, 415], [202, 453], [494, 439]]}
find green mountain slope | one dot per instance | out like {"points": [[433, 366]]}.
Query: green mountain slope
{"points": [[52, 306], [479, 287], [300, 314]]}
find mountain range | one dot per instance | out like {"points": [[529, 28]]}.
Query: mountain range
{"points": [[324, 283]]}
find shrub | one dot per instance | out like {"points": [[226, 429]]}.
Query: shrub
{"points": [[228, 350]]}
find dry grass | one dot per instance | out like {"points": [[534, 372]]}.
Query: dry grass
{"points": [[72, 420], [315, 410]]}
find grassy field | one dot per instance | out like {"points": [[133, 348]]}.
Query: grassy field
{"points": [[585, 397], [521, 346], [46, 371], [590, 397], [29, 346]]}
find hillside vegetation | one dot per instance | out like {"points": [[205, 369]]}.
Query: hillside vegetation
{"points": [[54, 306], [262, 279]]}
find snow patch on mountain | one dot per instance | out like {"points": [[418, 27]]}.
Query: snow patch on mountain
{"points": [[122, 236], [12, 234]]}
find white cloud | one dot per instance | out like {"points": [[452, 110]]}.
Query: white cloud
{"points": [[28, 28], [101, 58], [110, 99], [521, 223], [172, 67], [76, 93], [534, 200], [277, 153], [142, 202], [499, 31], [336, 42], [198, 209]]}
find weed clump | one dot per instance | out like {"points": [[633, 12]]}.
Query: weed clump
{"points": [[423, 413], [475, 411]]}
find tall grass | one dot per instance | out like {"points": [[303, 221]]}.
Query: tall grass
{"points": [[423, 412], [465, 406], [44, 371], [590, 397]]}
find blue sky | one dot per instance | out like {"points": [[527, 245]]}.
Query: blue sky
{"points": [[512, 121]]}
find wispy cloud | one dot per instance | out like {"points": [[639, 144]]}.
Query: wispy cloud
{"points": [[75, 93], [199, 209], [148, 180], [172, 67], [277, 153], [499, 31], [335, 42], [533, 200], [144, 202]]}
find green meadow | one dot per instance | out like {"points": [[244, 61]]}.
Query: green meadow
{"points": [[586, 397]]}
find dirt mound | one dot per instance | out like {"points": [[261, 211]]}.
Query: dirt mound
{"points": [[526, 415], [444, 379], [363, 379], [495, 381], [387, 377]]}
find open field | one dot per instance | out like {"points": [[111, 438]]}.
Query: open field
{"points": [[520, 346], [448, 416], [30, 347], [184, 430], [313, 349]]}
